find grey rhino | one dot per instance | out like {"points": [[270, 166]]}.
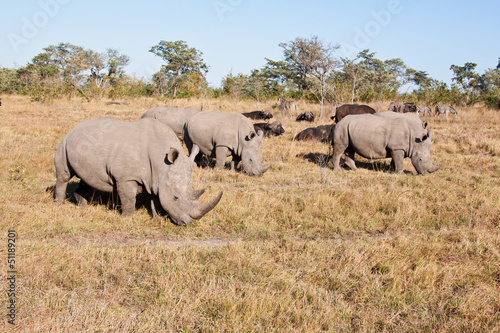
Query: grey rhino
{"points": [[418, 127], [220, 135], [130, 157], [175, 118], [380, 136]]}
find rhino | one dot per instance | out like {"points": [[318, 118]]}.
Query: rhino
{"points": [[217, 134], [269, 129], [419, 127], [440, 109], [109, 155], [381, 136], [320, 134], [346, 109], [175, 118], [256, 115]]}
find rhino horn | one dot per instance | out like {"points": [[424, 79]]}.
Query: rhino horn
{"points": [[201, 209], [265, 168], [196, 194], [434, 168]]}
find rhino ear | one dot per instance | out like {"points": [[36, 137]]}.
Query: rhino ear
{"points": [[424, 124], [427, 137], [250, 136], [171, 156]]}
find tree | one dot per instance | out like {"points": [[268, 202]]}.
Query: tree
{"points": [[181, 61], [65, 68], [115, 64], [256, 84], [491, 86], [234, 86], [311, 61], [468, 80], [352, 72], [279, 75]]}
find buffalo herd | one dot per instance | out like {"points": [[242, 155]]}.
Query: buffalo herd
{"points": [[146, 156]]}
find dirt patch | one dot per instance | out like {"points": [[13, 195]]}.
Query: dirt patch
{"points": [[127, 241]]}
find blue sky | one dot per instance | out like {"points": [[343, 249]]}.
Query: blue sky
{"points": [[237, 35]]}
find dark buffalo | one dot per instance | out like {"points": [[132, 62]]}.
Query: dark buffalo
{"points": [[321, 133], [347, 109], [402, 108], [256, 115], [270, 129], [306, 116]]}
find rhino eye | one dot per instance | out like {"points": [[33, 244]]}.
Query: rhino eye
{"points": [[176, 197]]}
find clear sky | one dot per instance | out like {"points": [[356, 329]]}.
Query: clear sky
{"points": [[237, 35]]}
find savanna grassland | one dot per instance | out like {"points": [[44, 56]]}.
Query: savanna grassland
{"points": [[301, 249]]}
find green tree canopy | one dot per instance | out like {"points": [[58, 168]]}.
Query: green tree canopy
{"points": [[181, 61]]}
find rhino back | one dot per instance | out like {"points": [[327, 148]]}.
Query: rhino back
{"points": [[374, 137], [413, 121], [175, 118], [104, 150], [211, 129]]}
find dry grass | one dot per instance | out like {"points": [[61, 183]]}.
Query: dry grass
{"points": [[300, 249]]}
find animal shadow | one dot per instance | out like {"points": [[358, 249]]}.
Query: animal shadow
{"points": [[375, 165], [322, 160], [110, 200], [203, 161]]}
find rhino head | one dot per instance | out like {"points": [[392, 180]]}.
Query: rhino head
{"points": [[176, 191], [421, 155], [251, 157]]}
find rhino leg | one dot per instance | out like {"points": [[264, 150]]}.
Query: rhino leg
{"points": [[155, 206], [349, 158], [83, 193], [397, 160], [220, 157], [60, 191], [235, 161], [336, 160], [63, 178], [127, 192]]}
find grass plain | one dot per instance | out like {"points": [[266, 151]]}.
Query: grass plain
{"points": [[301, 249]]}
